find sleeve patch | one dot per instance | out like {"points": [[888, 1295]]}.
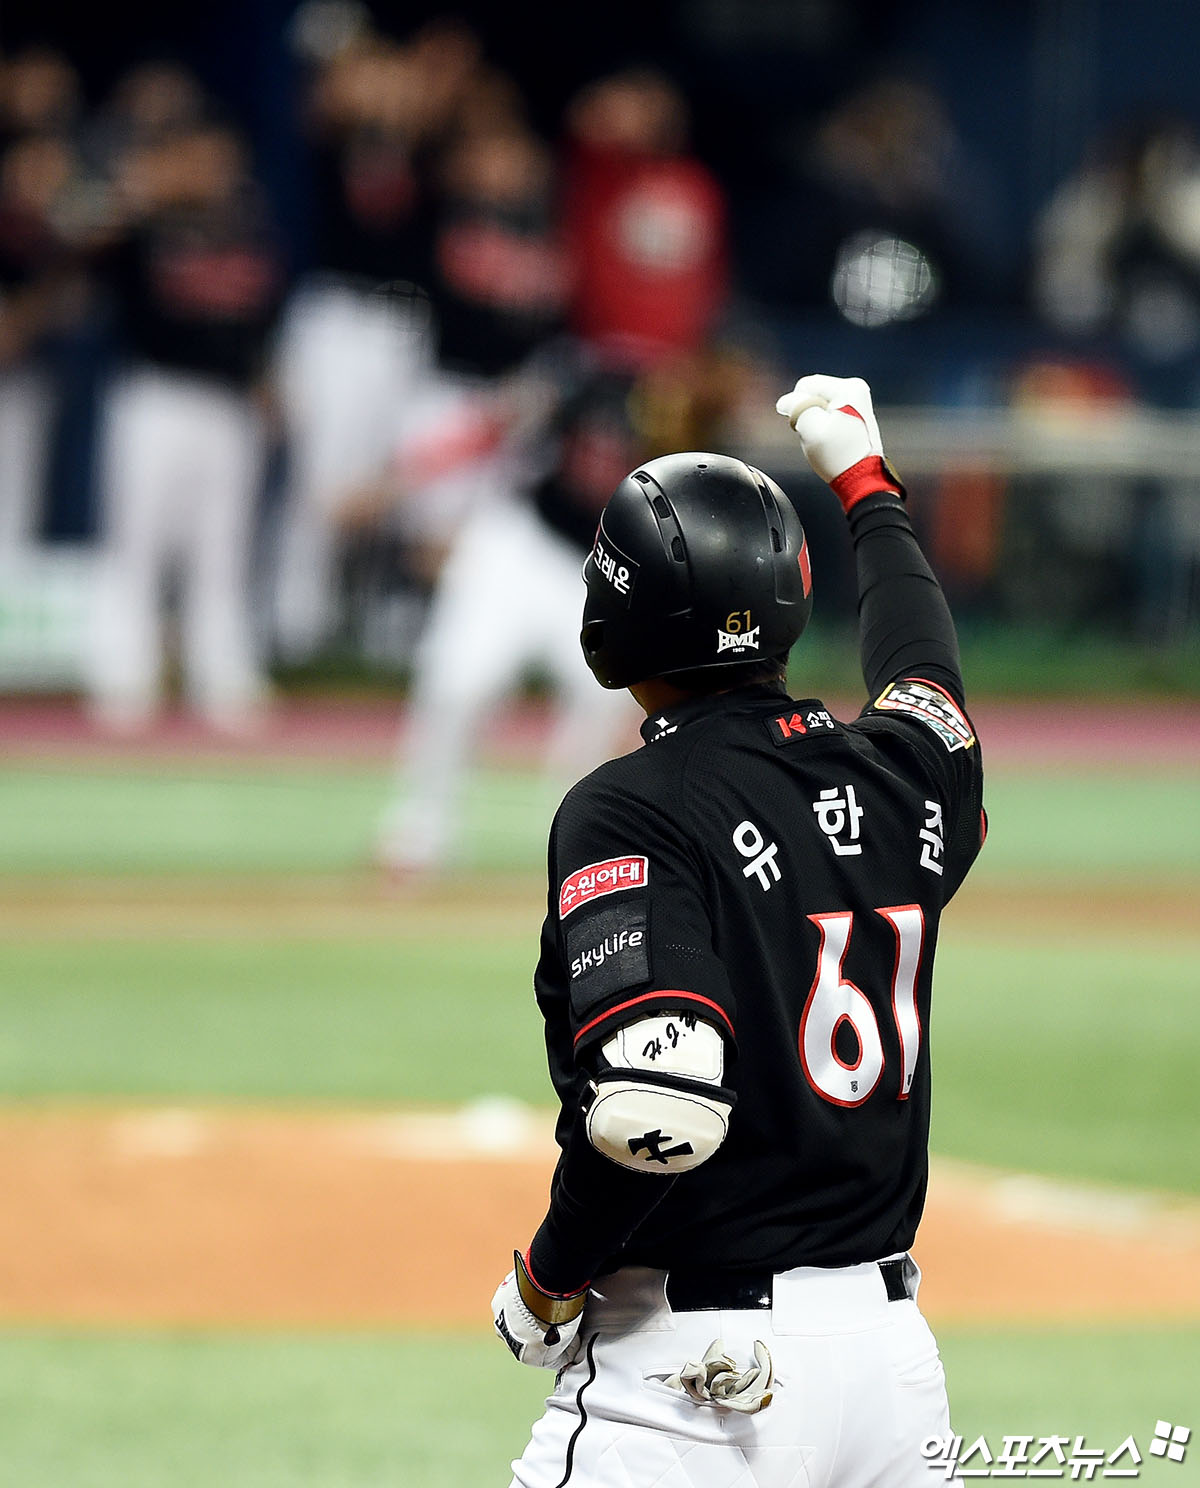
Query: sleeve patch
{"points": [[598, 879], [607, 952], [935, 708]]}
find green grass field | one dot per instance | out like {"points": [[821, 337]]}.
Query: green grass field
{"points": [[198, 931], [304, 1410]]}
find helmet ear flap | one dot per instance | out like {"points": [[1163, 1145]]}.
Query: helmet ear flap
{"points": [[591, 638]]}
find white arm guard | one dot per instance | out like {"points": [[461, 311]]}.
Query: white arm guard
{"points": [[659, 1105]]}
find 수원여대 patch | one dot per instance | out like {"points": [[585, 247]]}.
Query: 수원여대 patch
{"points": [[598, 879]]}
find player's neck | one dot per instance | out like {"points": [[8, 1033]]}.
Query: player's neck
{"points": [[656, 693]]}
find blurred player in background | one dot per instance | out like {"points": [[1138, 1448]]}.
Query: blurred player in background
{"points": [[645, 222], [466, 460], [1116, 271], [355, 344], [33, 173], [499, 283], [644, 232], [148, 103], [39, 103], [197, 277]]}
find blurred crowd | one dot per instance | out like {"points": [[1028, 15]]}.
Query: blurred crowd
{"points": [[486, 331], [483, 318]]}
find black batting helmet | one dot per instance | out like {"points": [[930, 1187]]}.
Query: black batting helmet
{"points": [[699, 561]]}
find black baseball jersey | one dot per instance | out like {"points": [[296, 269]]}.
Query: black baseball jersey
{"points": [[595, 445], [498, 284], [780, 874], [373, 207], [198, 290]]}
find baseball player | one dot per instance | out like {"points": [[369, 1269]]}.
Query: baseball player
{"points": [[354, 339], [735, 980], [512, 574], [196, 276]]}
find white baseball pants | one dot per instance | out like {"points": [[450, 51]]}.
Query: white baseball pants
{"points": [[858, 1387], [182, 466], [348, 361], [25, 407]]}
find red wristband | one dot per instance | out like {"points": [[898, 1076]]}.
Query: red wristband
{"points": [[870, 476]]}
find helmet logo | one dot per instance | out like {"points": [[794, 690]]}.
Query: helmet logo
{"points": [[620, 571], [738, 634]]}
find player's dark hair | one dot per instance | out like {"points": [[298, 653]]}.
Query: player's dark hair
{"points": [[725, 678]]}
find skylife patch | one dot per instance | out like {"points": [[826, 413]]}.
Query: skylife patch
{"points": [[607, 952], [935, 708]]}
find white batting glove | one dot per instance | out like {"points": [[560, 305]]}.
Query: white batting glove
{"points": [[840, 436], [539, 1327]]}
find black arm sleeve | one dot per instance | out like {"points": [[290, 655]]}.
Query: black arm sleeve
{"points": [[905, 627], [629, 934], [596, 1207]]}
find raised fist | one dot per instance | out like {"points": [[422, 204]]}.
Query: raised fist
{"points": [[836, 424]]}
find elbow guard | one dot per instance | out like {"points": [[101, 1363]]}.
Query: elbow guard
{"points": [[657, 1103]]}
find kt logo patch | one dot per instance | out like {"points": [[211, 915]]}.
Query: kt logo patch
{"points": [[804, 719]]}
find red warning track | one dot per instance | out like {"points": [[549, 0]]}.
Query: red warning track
{"points": [[1096, 733]]}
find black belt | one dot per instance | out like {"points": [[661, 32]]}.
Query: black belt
{"points": [[744, 1291]]}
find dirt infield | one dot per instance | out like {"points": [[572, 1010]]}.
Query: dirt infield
{"points": [[366, 903], [201, 1217]]}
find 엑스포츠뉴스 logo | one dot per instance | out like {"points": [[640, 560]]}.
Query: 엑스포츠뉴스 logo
{"points": [[598, 879]]}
